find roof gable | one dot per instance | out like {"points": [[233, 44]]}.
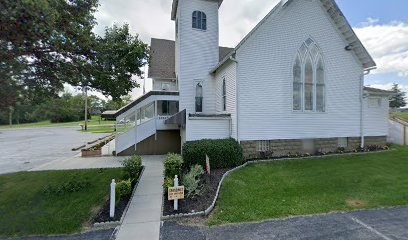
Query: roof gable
{"points": [[334, 12]]}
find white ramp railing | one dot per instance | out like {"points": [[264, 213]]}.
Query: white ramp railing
{"points": [[398, 132], [146, 130], [125, 140], [135, 135]]}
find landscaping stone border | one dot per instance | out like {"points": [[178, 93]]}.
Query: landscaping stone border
{"points": [[212, 206], [113, 224]]}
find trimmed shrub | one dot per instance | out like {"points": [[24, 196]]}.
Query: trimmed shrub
{"points": [[132, 166], [223, 153], [168, 182], [192, 181], [172, 165], [123, 189]]}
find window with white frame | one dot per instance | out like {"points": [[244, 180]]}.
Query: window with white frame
{"points": [[199, 98], [224, 95], [308, 79], [199, 20]]}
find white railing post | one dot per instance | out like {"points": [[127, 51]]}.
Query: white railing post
{"points": [[176, 184], [112, 199]]}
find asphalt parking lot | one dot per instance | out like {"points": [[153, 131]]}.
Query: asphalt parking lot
{"points": [[382, 224], [24, 149]]}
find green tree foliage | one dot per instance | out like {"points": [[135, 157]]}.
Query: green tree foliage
{"points": [[398, 100], [67, 108], [119, 56], [117, 104], [44, 43]]}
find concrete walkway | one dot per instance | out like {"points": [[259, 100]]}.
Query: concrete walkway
{"points": [[142, 220], [78, 162]]}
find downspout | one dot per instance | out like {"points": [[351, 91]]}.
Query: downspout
{"points": [[236, 94], [367, 71]]}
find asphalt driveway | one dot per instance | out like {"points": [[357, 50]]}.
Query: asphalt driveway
{"points": [[24, 149], [383, 224]]}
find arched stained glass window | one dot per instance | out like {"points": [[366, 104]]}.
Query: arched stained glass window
{"points": [[297, 85], [199, 98], [224, 95], [309, 79]]}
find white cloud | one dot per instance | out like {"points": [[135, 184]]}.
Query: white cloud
{"points": [[152, 19], [387, 44]]}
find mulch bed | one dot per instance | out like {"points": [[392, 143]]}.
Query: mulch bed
{"points": [[201, 203], [103, 215]]}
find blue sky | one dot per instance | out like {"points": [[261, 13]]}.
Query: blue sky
{"points": [[386, 11], [383, 13]]}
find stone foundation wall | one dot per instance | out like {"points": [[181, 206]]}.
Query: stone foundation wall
{"points": [[279, 148]]}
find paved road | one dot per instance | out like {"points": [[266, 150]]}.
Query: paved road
{"points": [[24, 149], [383, 224]]}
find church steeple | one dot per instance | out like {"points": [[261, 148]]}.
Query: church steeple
{"points": [[197, 48]]}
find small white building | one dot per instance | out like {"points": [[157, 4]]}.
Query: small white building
{"points": [[293, 84]]}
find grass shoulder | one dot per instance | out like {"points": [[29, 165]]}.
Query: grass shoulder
{"points": [[317, 185], [96, 123], [52, 202]]}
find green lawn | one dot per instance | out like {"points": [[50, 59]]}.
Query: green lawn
{"points": [[100, 129], [319, 185], [93, 122], [401, 115], [25, 209]]}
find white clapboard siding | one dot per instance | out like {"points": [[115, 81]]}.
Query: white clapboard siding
{"points": [[264, 75], [198, 53], [376, 116], [210, 128], [228, 71]]}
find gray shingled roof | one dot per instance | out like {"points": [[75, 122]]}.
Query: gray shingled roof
{"points": [[162, 58], [378, 91]]}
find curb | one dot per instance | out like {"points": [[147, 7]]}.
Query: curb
{"points": [[77, 148], [212, 206]]}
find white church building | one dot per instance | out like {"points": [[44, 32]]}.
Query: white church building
{"points": [[293, 84]]}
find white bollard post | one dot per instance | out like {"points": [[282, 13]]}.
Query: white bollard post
{"points": [[112, 199], [176, 183]]}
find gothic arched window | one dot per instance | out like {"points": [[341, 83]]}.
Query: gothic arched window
{"points": [[308, 79]]}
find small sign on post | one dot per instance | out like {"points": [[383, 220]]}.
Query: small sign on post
{"points": [[112, 199], [175, 193]]}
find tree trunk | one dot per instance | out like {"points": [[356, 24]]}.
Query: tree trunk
{"points": [[11, 116]]}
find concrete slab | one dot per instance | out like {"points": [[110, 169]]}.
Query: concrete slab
{"points": [[142, 220], [25, 149], [140, 231]]}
